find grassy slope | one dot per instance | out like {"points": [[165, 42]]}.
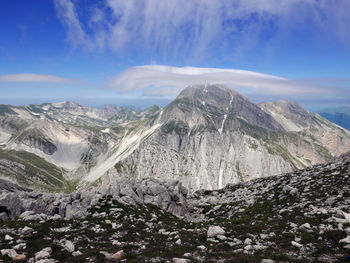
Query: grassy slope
{"points": [[33, 172]]}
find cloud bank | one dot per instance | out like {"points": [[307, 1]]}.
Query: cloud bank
{"points": [[198, 28], [158, 80], [36, 78]]}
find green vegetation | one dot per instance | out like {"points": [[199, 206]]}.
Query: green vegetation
{"points": [[32, 171], [126, 168], [6, 109], [239, 173], [179, 128], [35, 137]]}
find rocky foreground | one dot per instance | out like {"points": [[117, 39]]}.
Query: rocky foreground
{"points": [[297, 217]]}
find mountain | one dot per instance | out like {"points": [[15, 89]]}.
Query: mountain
{"points": [[299, 217], [340, 116], [209, 136], [71, 138]]}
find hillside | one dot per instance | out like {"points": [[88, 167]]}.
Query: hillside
{"points": [[296, 217]]}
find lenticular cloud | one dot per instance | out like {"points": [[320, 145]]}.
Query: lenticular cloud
{"points": [[166, 80]]}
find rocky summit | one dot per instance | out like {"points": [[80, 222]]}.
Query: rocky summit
{"points": [[302, 216]]}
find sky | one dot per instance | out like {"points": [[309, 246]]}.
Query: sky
{"points": [[141, 52]]}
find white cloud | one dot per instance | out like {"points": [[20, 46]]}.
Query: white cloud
{"points": [[69, 17], [36, 78], [197, 28], [168, 81]]}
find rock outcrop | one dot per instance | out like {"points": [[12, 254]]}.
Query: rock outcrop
{"points": [[29, 205], [299, 217]]}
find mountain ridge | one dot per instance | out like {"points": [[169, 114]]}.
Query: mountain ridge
{"points": [[209, 136], [202, 155]]}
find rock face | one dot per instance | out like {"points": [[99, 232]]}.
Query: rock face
{"points": [[35, 205], [211, 136], [171, 196]]}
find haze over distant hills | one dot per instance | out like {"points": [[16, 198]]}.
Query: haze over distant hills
{"points": [[340, 116]]}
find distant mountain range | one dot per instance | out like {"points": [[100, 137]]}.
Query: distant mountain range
{"points": [[207, 137], [340, 116]]}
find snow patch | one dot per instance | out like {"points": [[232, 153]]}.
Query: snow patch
{"points": [[222, 124], [106, 130], [220, 178]]}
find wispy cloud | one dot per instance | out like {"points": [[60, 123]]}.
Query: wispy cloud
{"points": [[198, 28], [36, 78], [67, 13], [168, 81]]}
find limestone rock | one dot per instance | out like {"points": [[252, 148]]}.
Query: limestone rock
{"points": [[214, 231]]}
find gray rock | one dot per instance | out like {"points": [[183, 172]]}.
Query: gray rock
{"points": [[221, 237], [202, 248], [305, 226], [44, 253], [4, 216], [345, 240], [248, 241], [181, 260], [296, 244], [46, 261], [8, 237], [69, 246], [77, 253], [214, 231], [9, 252], [27, 230]]}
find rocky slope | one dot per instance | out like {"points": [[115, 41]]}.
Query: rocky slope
{"points": [[296, 217], [73, 139], [211, 136]]}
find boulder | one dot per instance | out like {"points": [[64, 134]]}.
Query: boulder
{"points": [[214, 231]]}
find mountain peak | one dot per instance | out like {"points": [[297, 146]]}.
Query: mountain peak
{"points": [[210, 95], [216, 107], [66, 104], [218, 89]]}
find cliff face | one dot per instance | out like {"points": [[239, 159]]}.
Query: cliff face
{"points": [[211, 136]]}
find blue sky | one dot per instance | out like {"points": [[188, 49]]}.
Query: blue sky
{"points": [[90, 51]]}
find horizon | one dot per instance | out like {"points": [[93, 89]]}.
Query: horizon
{"points": [[116, 52], [140, 105]]}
